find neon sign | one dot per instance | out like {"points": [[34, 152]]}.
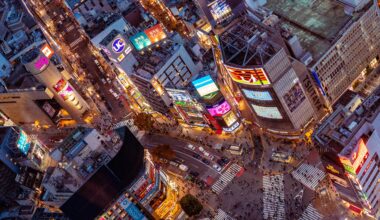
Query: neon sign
{"points": [[63, 89], [47, 51], [41, 63], [155, 33], [353, 163], [220, 109], [254, 76], [205, 85], [23, 143], [118, 45]]}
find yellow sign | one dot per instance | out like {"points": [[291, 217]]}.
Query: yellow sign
{"points": [[332, 169]]}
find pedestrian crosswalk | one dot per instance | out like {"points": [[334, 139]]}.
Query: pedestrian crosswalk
{"points": [[226, 178], [222, 215], [273, 197], [308, 175], [311, 213]]}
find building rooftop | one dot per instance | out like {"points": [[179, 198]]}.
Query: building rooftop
{"points": [[153, 59], [337, 131], [246, 44], [318, 24], [102, 22], [109, 181]]}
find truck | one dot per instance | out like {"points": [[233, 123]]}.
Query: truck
{"points": [[183, 167]]}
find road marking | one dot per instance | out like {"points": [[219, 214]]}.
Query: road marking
{"points": [[222, 215], [311, 213], [274, 197], [308, 175], [226, 178]]}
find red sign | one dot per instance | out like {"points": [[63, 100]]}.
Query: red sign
{"points": [[155, 33], [253, 76]]}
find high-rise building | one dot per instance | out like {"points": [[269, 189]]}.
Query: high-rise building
{"points": [[255, 67], [47, 73], [339, 38], [349, 140]]}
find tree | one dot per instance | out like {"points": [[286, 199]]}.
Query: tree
{"points": [[144, 122], [190, 205], [162, 151]]}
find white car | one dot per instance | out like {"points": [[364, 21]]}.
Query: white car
{"points": [[217, 167], [201, 149], [183, 167], [190, 146]]}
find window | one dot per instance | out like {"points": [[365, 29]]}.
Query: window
{"points": [[257, 95], [267, 112]]}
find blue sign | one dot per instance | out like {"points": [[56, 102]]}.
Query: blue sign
{"points": [[23, 143], [316, 78], [118, 45], [132, 210]]}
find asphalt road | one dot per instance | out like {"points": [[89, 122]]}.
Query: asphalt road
{"points": [[179, 146], [68, 31]]}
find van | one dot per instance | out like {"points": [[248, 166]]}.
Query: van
{"points": [[183, 167], [174, 163]]}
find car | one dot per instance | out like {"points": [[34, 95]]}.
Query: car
{"points": [[197, 156], [217, 167], [97, 62], [194, 173], [174, 163], [204, 160], [183, 167], [201, 149], [207, 154], [179, 160], [190, 146], [104, 81], [163, 160]]}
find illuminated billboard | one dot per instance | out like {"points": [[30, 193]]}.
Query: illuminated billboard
{"points": [[47, 51], [257, 95], [220, 109], [155, 33], [131, 209], [63, 89], [220, 10], [205, 86], [41, 63], [118, 45], [23, 143], [294, 97], [140, 41], [353, 162], [254, 76], [267, 112], [229, 118]]}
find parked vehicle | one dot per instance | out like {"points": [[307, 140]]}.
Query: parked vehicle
{"points": [[174, 163], [217, 167], [183, 167], [190, 146], [204, 160]]}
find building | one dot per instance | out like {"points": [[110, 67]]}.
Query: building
{"points": [[333, 33], [47, 73], [219, 112], [255, 67], [349, 139], [105, 180]]}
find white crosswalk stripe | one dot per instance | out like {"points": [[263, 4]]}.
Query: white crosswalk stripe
{"points": [[222, 215], [308, 175], [311, 213], [226, 178], [274, 197]]}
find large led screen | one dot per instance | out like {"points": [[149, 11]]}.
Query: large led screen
{"points": [[63, 89], [354, 162], [257, 95], [267, 112], [155, 33], [255, 76], [205, 85], [23, 143], [140, 41], [230, 118], [220, 10], [294, 97], [220, 110]]}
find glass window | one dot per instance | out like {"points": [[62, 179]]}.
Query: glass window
{"points": [[267, 112], [257, 95]]}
